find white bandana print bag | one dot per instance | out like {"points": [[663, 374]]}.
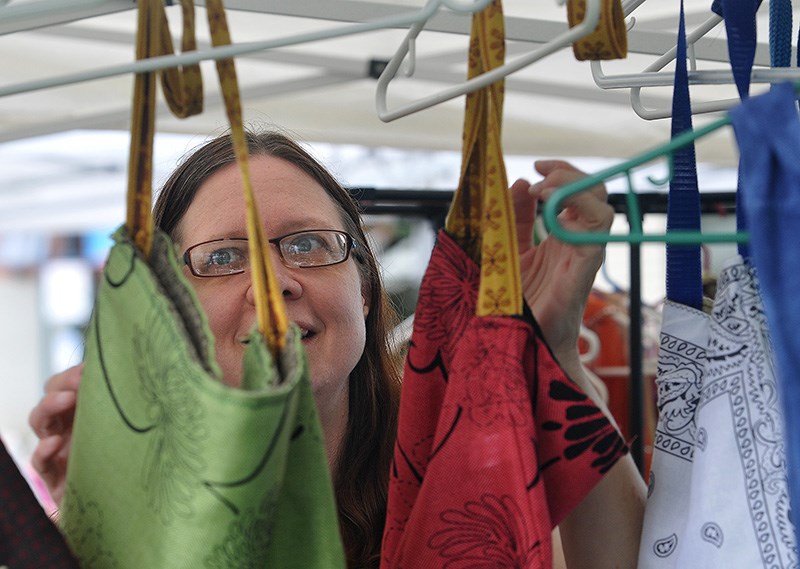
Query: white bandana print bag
{"points": [[718, 493]]}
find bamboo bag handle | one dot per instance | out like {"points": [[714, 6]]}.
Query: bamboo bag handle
{"points": [[183, 90]]}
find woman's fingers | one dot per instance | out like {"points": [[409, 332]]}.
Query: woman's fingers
{"points": [[43, 454], [524, 212], [49, 459], [557, 276], [67, 380], [586, 211], [52, 420], [54, 413], [558, 173]]}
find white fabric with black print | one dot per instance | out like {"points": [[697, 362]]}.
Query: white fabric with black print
{"points": [[718, 493]]}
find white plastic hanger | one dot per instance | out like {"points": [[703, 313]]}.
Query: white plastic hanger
{"points": [[567, 38], [650, 76], [412, 18], [17, 12], [653, 77]]}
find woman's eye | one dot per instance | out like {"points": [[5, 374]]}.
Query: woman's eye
{"points": [[225, 257], [305, 244]]}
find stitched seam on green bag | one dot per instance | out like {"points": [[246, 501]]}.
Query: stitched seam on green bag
{"points": [[168, 275]]}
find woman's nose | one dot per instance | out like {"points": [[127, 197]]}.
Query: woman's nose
{"points": [[289, 286], [286, 278]]}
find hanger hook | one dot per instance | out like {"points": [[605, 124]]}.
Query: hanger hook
{"points": [[661, 182]]}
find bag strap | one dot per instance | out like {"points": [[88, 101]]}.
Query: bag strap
{"points": [[609, 40], [270, 308], [684, 281], [481, 215], [780, 33], [740, 27], [183, 90]]}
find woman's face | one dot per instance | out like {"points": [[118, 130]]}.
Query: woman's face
{"points": [[327, 302]]}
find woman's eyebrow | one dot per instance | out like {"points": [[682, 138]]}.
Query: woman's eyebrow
{"points": [[303, 224]]}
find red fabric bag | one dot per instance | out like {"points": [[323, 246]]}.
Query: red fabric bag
{"points": [[495, 444]]}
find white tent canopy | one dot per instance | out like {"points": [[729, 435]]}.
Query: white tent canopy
{"points": [[322, 90]]}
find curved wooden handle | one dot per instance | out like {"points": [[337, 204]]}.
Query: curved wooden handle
{"points": [[183, 89], [270, 307]]}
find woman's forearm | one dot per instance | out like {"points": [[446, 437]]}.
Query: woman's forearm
{"points": [[604, 530]]}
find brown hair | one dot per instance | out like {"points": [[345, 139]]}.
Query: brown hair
{"points": [[362, 471]]}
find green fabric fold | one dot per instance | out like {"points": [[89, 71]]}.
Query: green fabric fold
{"points": [[169, 467]]}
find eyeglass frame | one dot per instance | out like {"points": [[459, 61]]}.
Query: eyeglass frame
{"points": [[350, 245]]}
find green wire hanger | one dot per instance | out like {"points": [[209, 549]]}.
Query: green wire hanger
{"points": [[635, 235]]}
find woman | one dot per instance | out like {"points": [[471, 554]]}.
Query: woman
{"points": [[345, 316]]}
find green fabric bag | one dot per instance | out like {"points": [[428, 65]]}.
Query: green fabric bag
{"points": [[169, 467]]}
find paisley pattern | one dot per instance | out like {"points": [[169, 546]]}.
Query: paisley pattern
{"points": [[719, 489]]}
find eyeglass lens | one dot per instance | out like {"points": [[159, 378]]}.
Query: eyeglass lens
{"points": [[314, 249], [302, 249]]}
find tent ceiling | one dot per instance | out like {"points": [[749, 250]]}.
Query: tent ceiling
{"points": [[322, 90]]}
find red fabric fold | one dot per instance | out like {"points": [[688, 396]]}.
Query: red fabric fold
{"points": [[495, 444]]}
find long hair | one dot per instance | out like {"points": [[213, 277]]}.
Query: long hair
{"points": [[362, 472]]}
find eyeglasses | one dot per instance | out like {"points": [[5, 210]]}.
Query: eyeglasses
{"points": [[302, 249]]}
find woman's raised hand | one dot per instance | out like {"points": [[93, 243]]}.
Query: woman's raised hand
{"points": [[52, 420], [556, 276]]}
